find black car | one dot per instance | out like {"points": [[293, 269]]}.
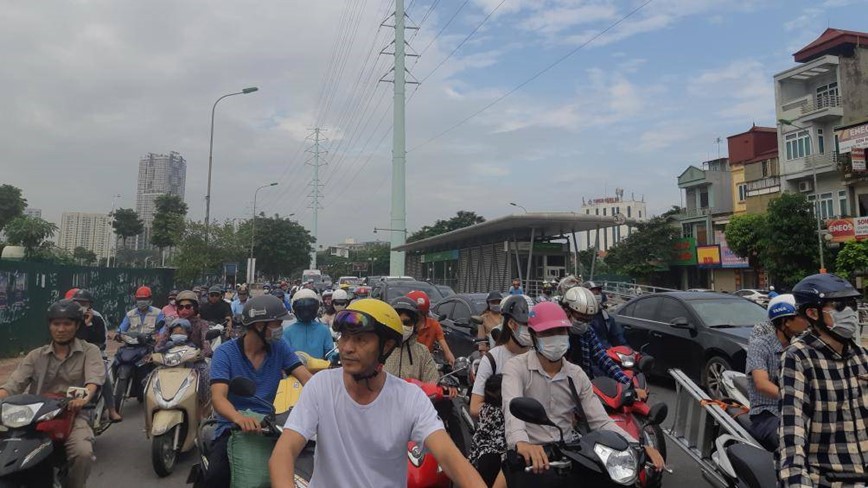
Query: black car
{"points": [[388, 290], [456, 312], [703, 334]]}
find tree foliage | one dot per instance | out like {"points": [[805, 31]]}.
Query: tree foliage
{"points": [[746, 236], [281, 247], [375, 256], [12, 204], [127, 223], [462, 219], [83, 256], [648, 249], [852, 259], [168, 225], [33, 234]]}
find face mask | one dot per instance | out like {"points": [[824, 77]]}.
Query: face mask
{"points": [[553, 348], [844, 323], [275, 335], [143, 304], [83, 308], [579, 328], [178, 338], [495, 308], [599, 299], [338, 308], [522, 337], [172, 301], [408, 331]]}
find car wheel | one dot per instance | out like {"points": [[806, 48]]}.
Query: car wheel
{"points": [[712, 375]]}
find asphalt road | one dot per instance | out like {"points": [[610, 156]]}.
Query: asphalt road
{"points": [[124, 454]]}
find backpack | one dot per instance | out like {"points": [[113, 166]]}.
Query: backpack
{"points": [[493, 384]]}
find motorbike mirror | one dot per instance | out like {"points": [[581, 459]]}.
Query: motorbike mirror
{"points": [[241, 386], [476, 319], [529, 410], [461, 364], [680, 323], [657, 414], [212, 334], [441, 317], [646, 364]]}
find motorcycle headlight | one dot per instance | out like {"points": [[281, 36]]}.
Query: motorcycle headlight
{"points": [[172, 359], [170, 403], [627, 360], [621, 465], [17, 416], [133, 341]]}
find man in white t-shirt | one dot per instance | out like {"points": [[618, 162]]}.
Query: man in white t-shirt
{"points": [[362, 417]]}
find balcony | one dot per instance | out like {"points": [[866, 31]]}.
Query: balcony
{"points": [[764, 186], [694, 213], [799, 168], [811, 108]]}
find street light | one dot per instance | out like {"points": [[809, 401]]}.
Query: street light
{"points": [[519, 206], [389, 230], [253, 224], [245, 91], [816, 199]]}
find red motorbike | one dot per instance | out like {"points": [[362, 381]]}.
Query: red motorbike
{"points": [[627, 411], [423, 471]]}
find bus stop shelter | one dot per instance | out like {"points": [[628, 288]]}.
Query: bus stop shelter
{"points": [[533, 247]]}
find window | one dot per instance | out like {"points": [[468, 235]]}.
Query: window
{"points": [[670, 309], [821, 142], [588, 211], [766, 167], [640, 214], [646, 309], [597, 211], [445, 308], [842, 203], [825, 209], [604, 212], [827, 95], [461, 313], [703, 198], [798, 144], [628, 212], [742, 192]]}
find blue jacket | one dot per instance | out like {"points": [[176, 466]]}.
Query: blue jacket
{"points": [[314, 338], [607, 330]]}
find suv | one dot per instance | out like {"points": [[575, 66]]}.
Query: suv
{"points": [[389, 289]]}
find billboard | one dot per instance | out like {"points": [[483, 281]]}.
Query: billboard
{"points": [[852, 137], [708, 256], [685, 252], [729, 259]]}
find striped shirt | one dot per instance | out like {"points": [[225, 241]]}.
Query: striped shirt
{"points": [[824, 407]]}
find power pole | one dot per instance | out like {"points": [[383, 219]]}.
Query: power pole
{"points": [[316, 187], [398, 227]]}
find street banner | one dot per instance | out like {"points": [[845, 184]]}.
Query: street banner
{"points": [[708, 256], [841, 230], [852, 137], [729, 259], [857, 158], [685, 252]]}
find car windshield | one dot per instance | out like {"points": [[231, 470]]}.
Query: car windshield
{"points": [[728, 313], [479, 305], [399, 289]]}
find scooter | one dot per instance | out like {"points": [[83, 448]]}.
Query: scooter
{"points": [[289, 389], [32, 454], [635, 365], [131, 367], [271, 429], [172, 406], [735, 387], [599, 458], [99, 419]]}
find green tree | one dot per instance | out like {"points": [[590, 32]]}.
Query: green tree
{"points": [[32, 233], [12, 204], [746, 236], [126, 224], [852, 259], [648, 249], [790, 251], [168, 226], [282, 246], [462, 219], [83, 256]]}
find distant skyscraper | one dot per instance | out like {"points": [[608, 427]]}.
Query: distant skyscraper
{"points": [[91, 231], [159, 174], [33, 212]]}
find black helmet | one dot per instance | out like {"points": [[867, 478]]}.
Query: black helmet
{"points": [[65, 309], [516, 307], [215, 289], [173, 293], [819, 288], [406, 305], [264, 308], [591, 285], [494, 296], [83, 295], [277, 292]]}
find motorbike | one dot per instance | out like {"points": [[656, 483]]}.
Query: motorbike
{"points": [[735, 387], [172, 405], [131, 367], [99, 419], [598, 458], [289, 389], [271, 429], [34, 428]]}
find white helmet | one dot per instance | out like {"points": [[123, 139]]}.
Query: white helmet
{"points": [[566, 283], [305, 293], [339, 295], [581, 300]]}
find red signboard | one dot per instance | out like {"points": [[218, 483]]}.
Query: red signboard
{"points": [[842, 230], [857, 158]]}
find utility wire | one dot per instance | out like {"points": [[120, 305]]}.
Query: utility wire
{"points": [[532, 78]]}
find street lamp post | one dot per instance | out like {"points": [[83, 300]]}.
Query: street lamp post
{"points": [[253, 222], [519, 206], [816, 199], [210, 154]]}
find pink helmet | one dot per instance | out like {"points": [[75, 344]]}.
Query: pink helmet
{"points": [[547, 315]]}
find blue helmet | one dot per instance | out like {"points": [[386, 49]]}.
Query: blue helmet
{"points": [[819, 288], [782, 306]]}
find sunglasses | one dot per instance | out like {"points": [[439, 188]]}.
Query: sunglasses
{"points": [[342, 303], [187, 306], [354, 322], [215, 294]]}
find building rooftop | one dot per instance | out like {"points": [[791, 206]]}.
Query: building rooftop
{"points": [[832, 41]]}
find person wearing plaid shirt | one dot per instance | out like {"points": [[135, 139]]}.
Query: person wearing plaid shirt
{"points": [[824, 391]]}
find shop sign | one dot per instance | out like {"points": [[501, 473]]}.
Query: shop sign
{"points": [[433, 257], [729, 259], [708, 256], [852, 137], [841, 230], [684, 252], [857, 159]]}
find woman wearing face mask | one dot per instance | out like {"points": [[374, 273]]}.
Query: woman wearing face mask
{"points": [[491, 318], [824, 379], [188, 309], [412, 360], [489, 442]]}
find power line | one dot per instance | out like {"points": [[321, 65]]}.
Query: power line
{"points": [[535, 76], [442, 29]]}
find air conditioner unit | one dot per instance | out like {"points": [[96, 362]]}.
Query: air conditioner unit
{"points": [[806, 186]]}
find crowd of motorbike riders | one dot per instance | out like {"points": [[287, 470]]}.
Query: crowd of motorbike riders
{"points": [[808, 380]]}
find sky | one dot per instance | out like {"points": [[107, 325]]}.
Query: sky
{"points": [[90, 86]]}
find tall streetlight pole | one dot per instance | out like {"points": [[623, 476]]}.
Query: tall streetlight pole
{"points": [[816, 199], [253, 222], [519, 206], [210, 154]]}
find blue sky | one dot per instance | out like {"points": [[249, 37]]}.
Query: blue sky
{"points": [[89, 87]]}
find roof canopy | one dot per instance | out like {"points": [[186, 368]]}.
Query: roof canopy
{"points": [[513, 227], [831, 40]]}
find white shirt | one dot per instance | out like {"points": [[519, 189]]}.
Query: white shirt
{"points": [[501, 355], [361, 445]]}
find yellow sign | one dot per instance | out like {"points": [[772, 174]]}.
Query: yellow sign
{"points": [[708, 256]]}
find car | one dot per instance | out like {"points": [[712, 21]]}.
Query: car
{"points": [[446, 291], [388, 290], [703, 334], [700, 290], [455, 313], [759, 296], [350, 280]]}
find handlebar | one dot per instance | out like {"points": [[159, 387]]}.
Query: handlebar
{"points": [[552, 464]]}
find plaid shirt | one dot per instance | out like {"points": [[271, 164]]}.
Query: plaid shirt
{"points": [[824, 413], [587, 348], [763, 353]]}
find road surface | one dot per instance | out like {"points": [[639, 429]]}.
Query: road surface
{"points": [[124, 454]]}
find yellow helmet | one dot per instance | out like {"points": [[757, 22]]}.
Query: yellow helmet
{"points": [[345, 286], [370, 315]]}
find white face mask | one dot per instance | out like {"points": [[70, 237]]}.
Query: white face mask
{"points": [[553, 348], [844, 323], [522, 337], [178, 338], [408, 331]]}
